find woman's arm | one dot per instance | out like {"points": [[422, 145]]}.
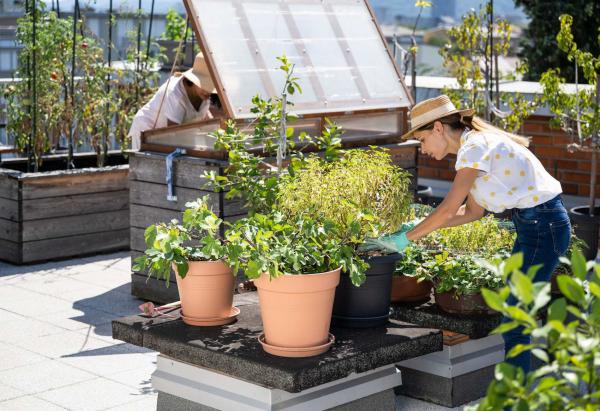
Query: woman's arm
{"points": [[468, 212], [446, 212]]}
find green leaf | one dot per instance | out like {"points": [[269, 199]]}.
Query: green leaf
{"points": [[504, 327], [558, 310], [513, 263], [578, 263], [518, 314], [492, 299], [182, 268], [571, 289], [522, 287], [541, 354]]}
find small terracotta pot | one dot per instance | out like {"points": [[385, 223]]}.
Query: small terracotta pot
{"points": [[206, 292], [469, 304], [296, 309], [408, 290]]}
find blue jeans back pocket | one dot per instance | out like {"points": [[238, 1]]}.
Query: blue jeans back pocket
{"points": [[561, 236]]}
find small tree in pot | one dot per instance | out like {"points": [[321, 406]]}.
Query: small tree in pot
{"points": [[197, 255], [579, 115]]}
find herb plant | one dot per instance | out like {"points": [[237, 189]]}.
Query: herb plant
{"points": [[176, 244]]}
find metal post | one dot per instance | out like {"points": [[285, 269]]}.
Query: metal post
{"points": [[31, 155], [149, 35], [72, 131], [108, 79], [137, 64]]}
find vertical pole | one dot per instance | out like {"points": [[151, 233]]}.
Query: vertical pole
{"points": [[594, 170], [73, 120], [139, 45], [149, 35], [32, 149], [108, 120]]}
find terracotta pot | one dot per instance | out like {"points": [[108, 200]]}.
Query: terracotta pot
{"points": [[296, 309], [206, 292], [469, 304], [408, 290]]}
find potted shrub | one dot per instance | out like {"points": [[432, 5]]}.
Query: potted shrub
{"points": [[175, 31], [296, 264], [453, 263], [408, 283], [338, 190], [195, 252], [577, 114]]}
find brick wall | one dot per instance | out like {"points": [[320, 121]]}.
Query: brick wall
{"points": [[549, 145]]}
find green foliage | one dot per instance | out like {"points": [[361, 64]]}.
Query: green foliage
{"points": [[485, 237], [538, 41], [89, 111], [464, 56], [570, 107], [175, 27], [339, 190], [451, 257], [249, 175], [279, 245], [569, 378], [176, 244]]}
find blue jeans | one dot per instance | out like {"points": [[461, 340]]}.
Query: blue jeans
{"points": [[543, 234]]}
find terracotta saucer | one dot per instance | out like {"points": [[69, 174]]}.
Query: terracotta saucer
{"points": [[296, 352], [210, 322]]}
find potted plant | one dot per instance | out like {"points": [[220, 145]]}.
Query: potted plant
{"points": [[296, 264], [408, 283], [195, 252], [175, 31], [338, 190], [578, 115], [453, 263]]}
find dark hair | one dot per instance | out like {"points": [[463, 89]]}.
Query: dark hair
{"points": [[188, 82]]}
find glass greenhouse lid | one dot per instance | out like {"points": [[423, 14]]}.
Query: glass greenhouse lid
{"points": [[339, 53]]}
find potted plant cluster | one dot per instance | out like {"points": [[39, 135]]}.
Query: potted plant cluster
{"points": [[337, 191], [450, 259], [199, 257], [176, 30]]}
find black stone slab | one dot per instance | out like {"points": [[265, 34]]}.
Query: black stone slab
{"points": [[430, 315], [449, 392], [234, 349]]}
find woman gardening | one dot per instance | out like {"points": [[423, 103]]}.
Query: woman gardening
{"points": [[495, 171]]}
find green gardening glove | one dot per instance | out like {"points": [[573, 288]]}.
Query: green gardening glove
{"points": [[390, 243]]}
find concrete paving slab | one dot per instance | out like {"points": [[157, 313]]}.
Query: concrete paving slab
{"points": [[7, 393], [148, 403], [29, 403], [96, 394], [108, 360], [78, 319], [63, 344], [17, 331], [43, 376], [13, 357]]}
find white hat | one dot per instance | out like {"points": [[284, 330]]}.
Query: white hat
{"points": [[199, 74]]}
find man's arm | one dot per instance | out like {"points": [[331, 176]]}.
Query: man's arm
{"points": [[447, 211]]}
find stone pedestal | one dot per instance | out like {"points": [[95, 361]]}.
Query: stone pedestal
{"points": [[459, 374], [183, 386]]}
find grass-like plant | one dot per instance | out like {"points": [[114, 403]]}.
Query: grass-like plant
{"points": [[337, 191]]}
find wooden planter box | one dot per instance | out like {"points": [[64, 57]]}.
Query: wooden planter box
{"points": [[63, 213], [149, 205]]}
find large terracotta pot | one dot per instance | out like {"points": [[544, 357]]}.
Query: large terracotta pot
{"points": [[296, 311], [206, 292], [586, 228], [469, 304], [407, 289]]}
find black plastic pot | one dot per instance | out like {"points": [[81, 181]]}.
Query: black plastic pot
{"points": [[586, 228], [369, 304]]}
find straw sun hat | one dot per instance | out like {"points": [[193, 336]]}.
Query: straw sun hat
{"points": [[199, 74], [426, 112]]}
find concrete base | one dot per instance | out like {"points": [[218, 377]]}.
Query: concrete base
{"points": [[455, 376], [183, 386]]}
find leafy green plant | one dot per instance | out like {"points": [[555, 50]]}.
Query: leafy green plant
{"points": [[175, 26], [175, 244], [249, 175], [279, 245], [338, 190], [578, 114], [570, 351], [468, 54], [485, 237]]}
